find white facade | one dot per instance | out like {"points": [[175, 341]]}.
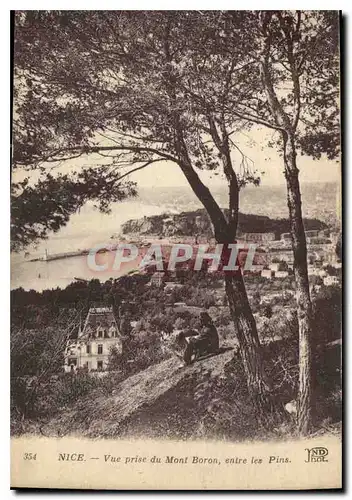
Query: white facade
{"points": [[157, 279], [266, 273], [258, 237], [314, 271], [331, 280], [170, 286], [281, 274], [91, 349]]}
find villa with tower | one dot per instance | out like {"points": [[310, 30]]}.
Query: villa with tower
{"points": [[91, 349]]}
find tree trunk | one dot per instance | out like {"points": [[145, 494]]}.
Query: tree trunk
{"points": [[249, 345], [304, 305], [225, 233], [241, 313]]}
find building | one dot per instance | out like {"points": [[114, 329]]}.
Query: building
{"points": [[282, 254], [331, 280], [317, 240], [258, 237], [91, 349], [324, 233], [313, 270], [334, 236], [171, 285], [313, 233], [281, 274], [269, 297], [157, 279], [324, 253], [275, 266], [266, 273], [183, 307]]}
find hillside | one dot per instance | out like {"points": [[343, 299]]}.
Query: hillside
{"points": [[208, 399], [154, 401], [197, 222]]}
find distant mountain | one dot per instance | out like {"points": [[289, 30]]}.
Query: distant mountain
{"points": [[319, 200], [197, 222]]}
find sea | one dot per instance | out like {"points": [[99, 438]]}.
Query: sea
{"points": [[89, 228]]}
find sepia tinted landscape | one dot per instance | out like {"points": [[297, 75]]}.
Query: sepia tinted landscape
{"points": [[162, 128]]}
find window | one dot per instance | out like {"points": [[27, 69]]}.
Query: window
{"points": [[100, 365], [88, 348], [100, 348]]}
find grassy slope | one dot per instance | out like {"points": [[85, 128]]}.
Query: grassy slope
{"points": [[142, 393], [208, 399]]}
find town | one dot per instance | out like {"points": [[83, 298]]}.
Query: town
{"points": [[270, 289]]}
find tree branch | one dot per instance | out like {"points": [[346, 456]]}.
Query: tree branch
{"points": [[97, 149], [256, 119], [138, 168], [292, 66], [278, 113]]}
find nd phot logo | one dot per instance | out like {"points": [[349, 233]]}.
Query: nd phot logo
{"points": [[317, 454]]}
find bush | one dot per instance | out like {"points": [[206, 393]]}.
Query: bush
{"points": [[58, 394]]}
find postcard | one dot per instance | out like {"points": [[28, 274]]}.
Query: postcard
{"points": [[176, 250]]}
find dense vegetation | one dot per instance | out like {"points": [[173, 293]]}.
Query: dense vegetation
{"points": [[42, 322]]}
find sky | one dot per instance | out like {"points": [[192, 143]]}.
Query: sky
{"points": [[265, 159], [253, 144], [166, 174], [88, 227]]}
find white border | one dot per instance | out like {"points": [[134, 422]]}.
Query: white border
{"points": [[5, 177]]}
